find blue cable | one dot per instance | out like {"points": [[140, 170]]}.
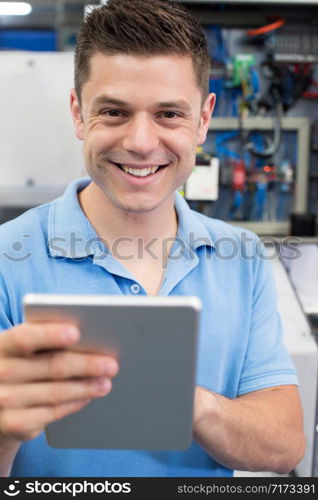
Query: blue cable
{"points": [[261, 187], [237, 201], [255, 81], [222, 137]]}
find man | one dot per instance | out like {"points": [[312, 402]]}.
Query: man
{"points": [[141, 106]]}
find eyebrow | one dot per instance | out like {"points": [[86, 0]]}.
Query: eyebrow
{"points": [[103, 100]]}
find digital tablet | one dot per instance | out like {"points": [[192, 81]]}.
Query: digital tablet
{"points": [[155, 340]]}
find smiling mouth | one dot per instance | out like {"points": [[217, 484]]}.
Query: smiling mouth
{"points": [[140, 171]]}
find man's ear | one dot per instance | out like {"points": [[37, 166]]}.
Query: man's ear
{"points": [[205, 118], [77, 115]]}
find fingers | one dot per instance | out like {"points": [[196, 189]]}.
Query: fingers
{"points": [[42, 379], [52, 393], [56, 365], [26, 424], [28, 338]]}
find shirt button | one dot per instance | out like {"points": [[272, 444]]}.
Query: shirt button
{"points": [[135, 288]]}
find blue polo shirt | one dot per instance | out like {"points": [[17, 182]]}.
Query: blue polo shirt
{"points": [[54, 249]]}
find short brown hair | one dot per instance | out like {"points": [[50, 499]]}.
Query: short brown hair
{"points": [[141, 27]]}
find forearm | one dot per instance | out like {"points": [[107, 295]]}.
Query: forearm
{"points": [[7, 456], [254, 432]]}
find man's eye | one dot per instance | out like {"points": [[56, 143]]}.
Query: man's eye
{"points": [[114, 113], [170, 114]]}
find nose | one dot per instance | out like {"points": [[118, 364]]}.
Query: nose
{"points": [[141, 136]]}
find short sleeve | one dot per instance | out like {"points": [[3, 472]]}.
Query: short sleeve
{"points": [[267, 362], [5, 312]]}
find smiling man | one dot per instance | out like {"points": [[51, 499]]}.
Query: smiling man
{"points": [[141, 106]]}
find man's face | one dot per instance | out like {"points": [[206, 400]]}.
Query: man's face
{"points": [[141, 119]]}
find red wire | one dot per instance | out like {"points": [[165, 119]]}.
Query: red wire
{"points": [[310, 95], [267, 28]]}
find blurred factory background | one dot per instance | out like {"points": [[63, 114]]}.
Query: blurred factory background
{"points": [[258, 168]]}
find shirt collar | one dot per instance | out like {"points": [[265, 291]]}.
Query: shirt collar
{"points": [[70, 234], [190, 227]]}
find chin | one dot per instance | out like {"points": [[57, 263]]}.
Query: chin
{"points": [[138, 205]]}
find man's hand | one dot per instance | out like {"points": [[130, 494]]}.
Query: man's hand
{"points": [[259, 431], [42, 380]]}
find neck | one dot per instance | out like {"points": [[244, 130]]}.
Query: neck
{"points": [[112, 223]]}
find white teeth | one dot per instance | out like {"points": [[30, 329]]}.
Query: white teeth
{"points": [[140, 172]]}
